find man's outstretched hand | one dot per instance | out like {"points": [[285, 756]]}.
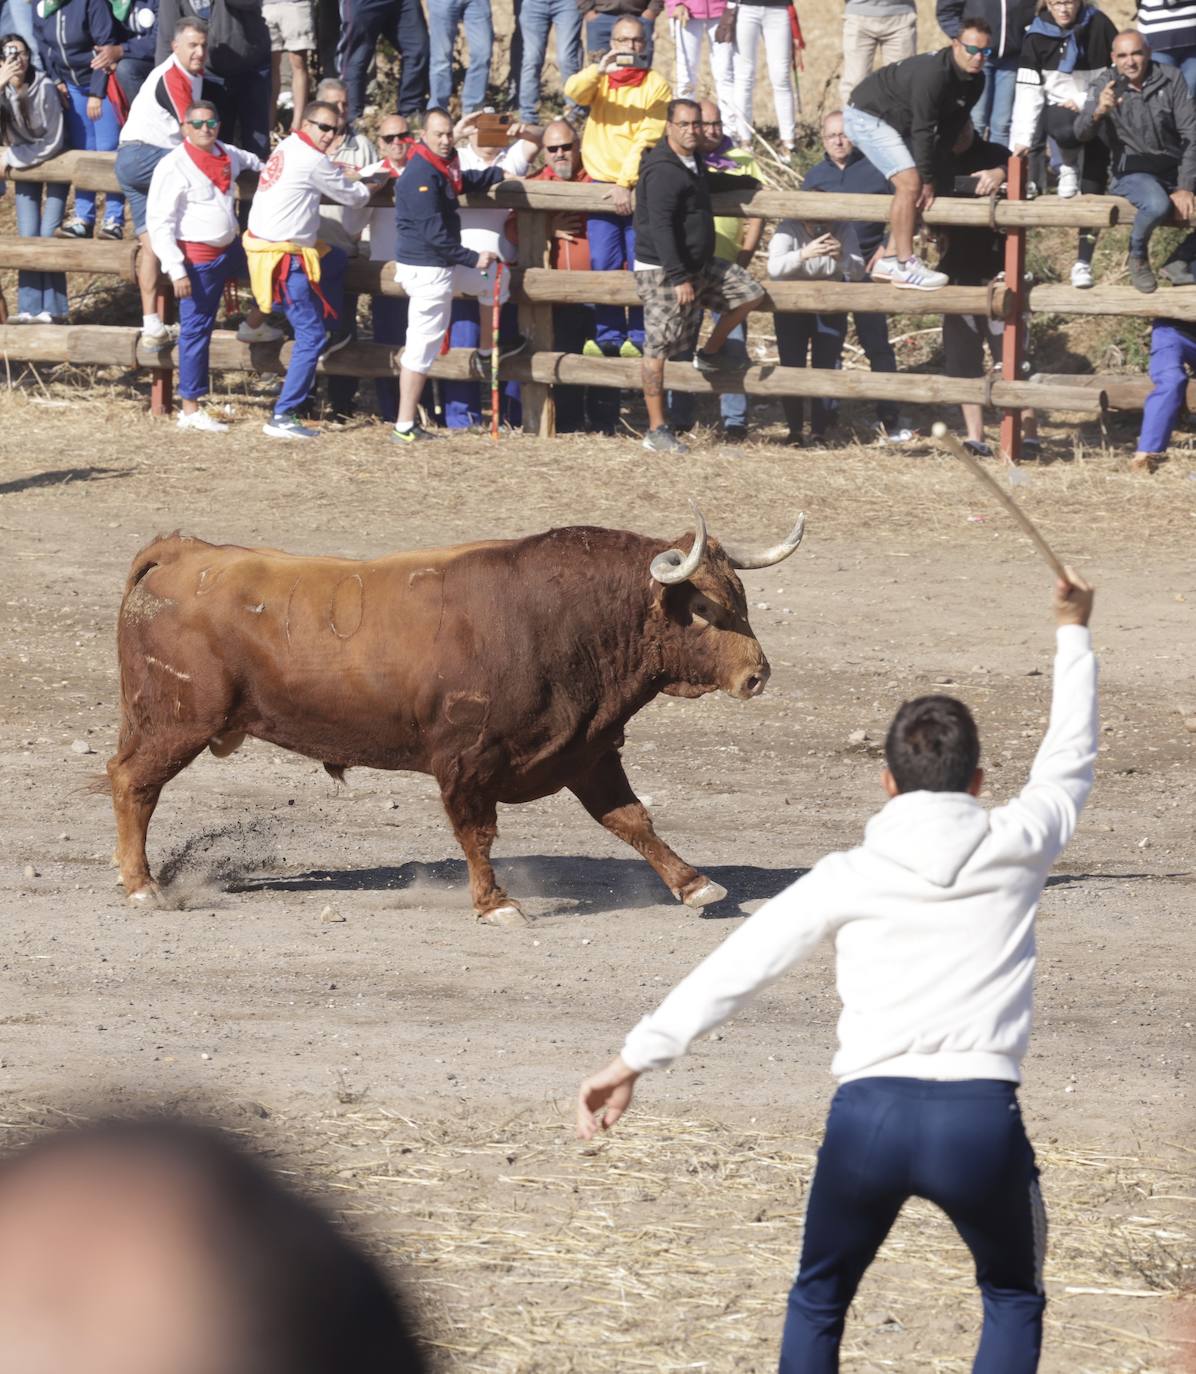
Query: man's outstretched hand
{"points": [[604, 1097], [1073, 600]]}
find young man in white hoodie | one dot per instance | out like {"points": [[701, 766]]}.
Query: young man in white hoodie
{"points": [[933, 921]]}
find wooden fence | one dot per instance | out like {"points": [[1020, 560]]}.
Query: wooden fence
{"points": [[536, 290]]}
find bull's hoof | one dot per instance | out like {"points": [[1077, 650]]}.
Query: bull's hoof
{"points": [[509, 914], [148, 896], [705, 894]]}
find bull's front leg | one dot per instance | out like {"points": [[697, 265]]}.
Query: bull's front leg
{"points": [[475, 824], [608, 796]]}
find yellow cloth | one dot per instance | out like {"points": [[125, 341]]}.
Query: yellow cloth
{"points": [[728, 229], [624, 121], [264, 255]]}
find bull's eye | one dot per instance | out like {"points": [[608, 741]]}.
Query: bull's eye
{"points": [[701, 610]]}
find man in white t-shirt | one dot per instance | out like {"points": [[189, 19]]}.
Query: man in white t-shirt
{"points": [[933, 923]]}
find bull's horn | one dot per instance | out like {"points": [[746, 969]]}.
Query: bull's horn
{"points": [[777, 554], [675, 566]]}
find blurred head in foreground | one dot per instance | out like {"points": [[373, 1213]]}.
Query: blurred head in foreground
{"points": [[157, 1247]]}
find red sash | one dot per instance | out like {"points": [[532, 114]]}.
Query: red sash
{"points": [[217, 167]]}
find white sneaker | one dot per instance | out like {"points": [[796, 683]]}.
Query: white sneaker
{"points": [[288, 427], [902, 434], [159, 338], [912, 274], [43, 317], [263, 333], [1069, 182], [1081, 276], [200, 419], [23, 318]]}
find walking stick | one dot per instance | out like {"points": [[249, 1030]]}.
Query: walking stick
{"points": [[495, 312], [950, 444]]}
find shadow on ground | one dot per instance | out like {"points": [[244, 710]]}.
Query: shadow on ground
{"points": [[60, 477]]}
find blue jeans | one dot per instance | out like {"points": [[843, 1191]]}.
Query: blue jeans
{"points": [[130, 75], [598, 33], [1172, 362], [961, 1146], [197, 316], [537, 17], [401, 22], [732, 405], [1185, 60], [1152, 199], [389, 317], [993, 112], [612, 247], [305, 311], [444, 19], [39, 291], [463, 400], [135, 163], [819, 338], [96, 136]]}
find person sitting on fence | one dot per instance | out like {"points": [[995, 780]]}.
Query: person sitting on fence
{"points": [[288, 267], [133, 56], [68, 36], [591, 408], [992, 114], [844, 170], [428, 249], [804, 250], [690, 21], [1172, 365], [677, 275], [976, 257], [628, 105], [191, 220], [31, 127], [388, 314], [735, 240], [1148, 121], [905, 118], [485, 231], [1064, 53], [153, 129]]}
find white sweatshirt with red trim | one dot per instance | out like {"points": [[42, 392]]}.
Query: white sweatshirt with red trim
{"points": [[932, 917], [286, 206], [153, 116]]}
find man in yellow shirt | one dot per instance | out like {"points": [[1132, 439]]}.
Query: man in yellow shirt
{"points": [[628, 104]]}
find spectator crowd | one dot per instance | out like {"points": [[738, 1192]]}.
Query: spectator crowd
{"points": [[189, 95]]}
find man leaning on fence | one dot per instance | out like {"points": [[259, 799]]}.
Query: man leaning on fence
{"points": [[288, 267], [677, 274], [191, 220]]}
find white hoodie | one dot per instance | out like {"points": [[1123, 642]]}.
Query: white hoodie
{"points": [[933, 919]]}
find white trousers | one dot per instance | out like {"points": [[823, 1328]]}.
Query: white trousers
{"points": [[688, 41], [430, 302], [768, 24]]}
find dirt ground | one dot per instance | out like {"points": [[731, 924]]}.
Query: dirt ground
{"points": [[422, 1067]]}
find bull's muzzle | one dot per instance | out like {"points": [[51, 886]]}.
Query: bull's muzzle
{"points": [[753, 682]]}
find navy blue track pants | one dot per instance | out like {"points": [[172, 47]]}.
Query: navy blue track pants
{"points": [[963, 1147]]}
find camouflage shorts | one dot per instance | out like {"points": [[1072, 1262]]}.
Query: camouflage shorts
{"points": [[671, 329]]}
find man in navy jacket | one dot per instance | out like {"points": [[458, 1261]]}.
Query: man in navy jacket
{"points": [[428, 250], [845, 170]]}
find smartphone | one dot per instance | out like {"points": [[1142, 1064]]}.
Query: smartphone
{"points": [[12, 50]]}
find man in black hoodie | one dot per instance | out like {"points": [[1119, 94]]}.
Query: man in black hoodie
{"points": [[677, 274]]}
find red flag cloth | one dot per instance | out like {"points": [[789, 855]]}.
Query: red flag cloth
{"points": [[799, 41], [217, 166], [450, 168], [627, 76], [120, 101]]}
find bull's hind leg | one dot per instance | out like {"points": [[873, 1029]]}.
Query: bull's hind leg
{"points": [[138, 772], [475, 824], [607, 795]]}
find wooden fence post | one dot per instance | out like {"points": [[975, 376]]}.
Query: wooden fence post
{"points": [[1013, 350], [535, 323], [162, 386]]}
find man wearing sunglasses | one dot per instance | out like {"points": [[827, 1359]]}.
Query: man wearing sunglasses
{"points": [[288, 267], [905, 119], [191, 220], [388, 314]]}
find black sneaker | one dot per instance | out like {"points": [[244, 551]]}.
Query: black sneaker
{"points": [[74, 228], [663, 440], [1178, 273], [480, 364], [711, 363], [111, 230], [415, 435], [1141, 276], [978, 448], [734, 434]]}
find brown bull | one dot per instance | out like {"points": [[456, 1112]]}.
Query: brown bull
{"points": [[507, 670]]}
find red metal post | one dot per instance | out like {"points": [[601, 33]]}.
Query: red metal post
{"points": [[1013, 350], [162, 386]]}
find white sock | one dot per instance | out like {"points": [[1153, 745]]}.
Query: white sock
{"points": [[152, 324], [485, 352], [404, 425]]}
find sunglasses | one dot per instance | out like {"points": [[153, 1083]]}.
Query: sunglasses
{"points": [[712, 124], [204, 123], [973, 51], [559, 147], [396, 138], [326, 128]]}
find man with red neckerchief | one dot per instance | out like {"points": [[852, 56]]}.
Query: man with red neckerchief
{"points": [[288, 267], [191, 221]]}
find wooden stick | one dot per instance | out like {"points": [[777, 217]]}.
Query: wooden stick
{"points": [[950, 444], [495, 317]]}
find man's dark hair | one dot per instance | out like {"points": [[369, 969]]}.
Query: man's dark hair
{"points": [[201, 105], [932, 746], [675, 105], [436, 110], [976, 22], [313, 107], [189, 21]]}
